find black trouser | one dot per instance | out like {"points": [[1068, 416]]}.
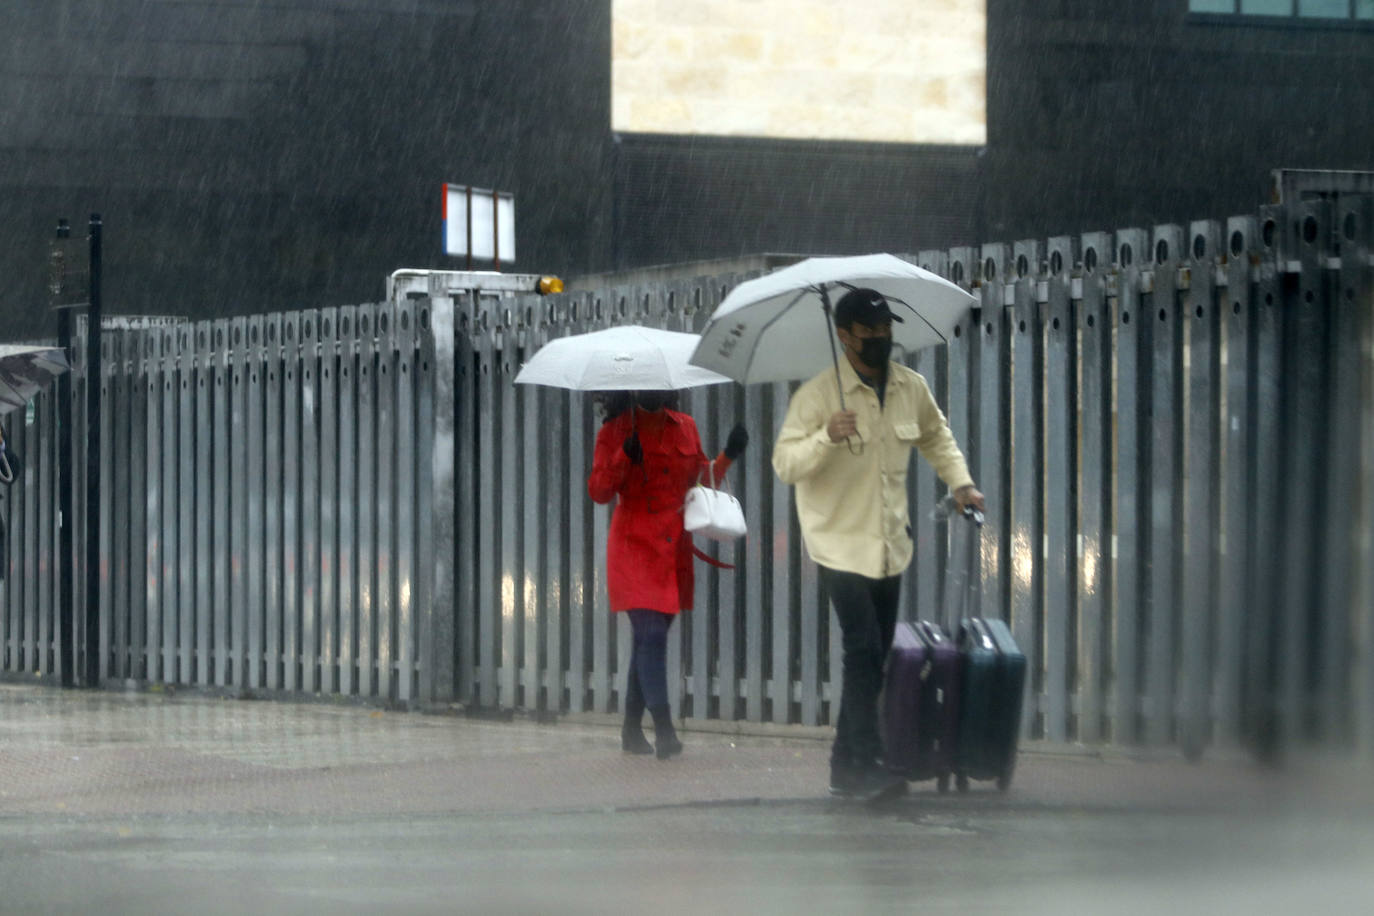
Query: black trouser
{"points": [[867, 611]]}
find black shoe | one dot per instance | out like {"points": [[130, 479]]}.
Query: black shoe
{"points": [[665, 736], [865, 783], [632, 740], [666, 743]]}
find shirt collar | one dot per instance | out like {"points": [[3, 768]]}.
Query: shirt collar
{"points": [[850, 381]]}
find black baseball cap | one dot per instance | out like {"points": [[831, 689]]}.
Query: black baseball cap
{"points": [[866, 306]]}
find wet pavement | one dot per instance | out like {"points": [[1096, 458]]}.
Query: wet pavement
{"points": [[147, 802]]}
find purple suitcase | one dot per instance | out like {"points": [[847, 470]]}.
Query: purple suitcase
{"points": [[921, 703]]}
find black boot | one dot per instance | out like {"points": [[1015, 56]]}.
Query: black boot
{"points": [[632, 740], [665, 736]]}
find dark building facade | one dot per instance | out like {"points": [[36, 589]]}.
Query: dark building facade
{"points": [[1105, 114], [249, 156]]}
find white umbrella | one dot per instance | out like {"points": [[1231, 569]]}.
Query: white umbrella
{"points": [[777, 327], [25, 371], [624, 358]]}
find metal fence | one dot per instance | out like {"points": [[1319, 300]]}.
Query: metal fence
{"points": [[1174, 429]]}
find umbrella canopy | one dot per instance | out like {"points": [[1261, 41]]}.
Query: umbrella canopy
{"points": [[25, 371], [776, 328], [624, 358]]}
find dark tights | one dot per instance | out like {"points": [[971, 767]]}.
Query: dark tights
{"points": [[649, 659]]}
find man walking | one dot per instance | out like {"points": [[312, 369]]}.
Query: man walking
{"points": [[849, 467]]}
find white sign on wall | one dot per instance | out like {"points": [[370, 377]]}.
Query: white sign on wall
{"points": [[479, 224]]}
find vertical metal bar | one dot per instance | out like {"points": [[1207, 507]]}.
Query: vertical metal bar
{"points": [[777, 553], [47, 537], [368, 554], [512, 458], [204, 568], [1131, 327], [1304, 418], [925, 576], [135, 553], [183, 388], [350, 501], [1027, 492], [433, 615], [1357, 292], [292, 381], [466, 453], [534, 497], [94, 375], [560, 492], [219, 357], [125, 396], [312, 461], [274, 476], [79, 446], [66, 546], [962, 407], [447, 505], [26, 534], [155, 532], [1237, 493], [728, 586], [1093, 574], [1166, 492], [256, 434], [330, 499], [242, 535], [1339, 665], [755, 481], [386, 377], [1201, 481], [171, 535], [105, 600], [403, 471], [994, 447], [1061, 500], [581, 552], [815, 619], [1358, 279], [1265, 546], [489, 533]]}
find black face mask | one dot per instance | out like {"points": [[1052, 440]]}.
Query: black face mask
{"points": [[651, 400], [875, 351]]}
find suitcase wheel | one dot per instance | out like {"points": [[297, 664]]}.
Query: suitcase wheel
{"points": [[961, 782], [942, 783]]}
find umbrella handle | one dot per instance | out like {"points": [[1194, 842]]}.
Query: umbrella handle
{"points": [[835, 358], [830, 336]]}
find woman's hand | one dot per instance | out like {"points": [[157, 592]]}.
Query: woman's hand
{"points": [[633, 450], [734, 445]]}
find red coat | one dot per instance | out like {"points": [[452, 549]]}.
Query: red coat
{"points": [[648, 554]]}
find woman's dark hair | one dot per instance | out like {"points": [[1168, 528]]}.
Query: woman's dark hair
{"points": [[614, 403]]}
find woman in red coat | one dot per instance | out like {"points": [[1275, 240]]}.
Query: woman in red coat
{"points": [[647, 457]]}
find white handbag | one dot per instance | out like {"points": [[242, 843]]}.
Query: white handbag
{"points": [[713, 513]]}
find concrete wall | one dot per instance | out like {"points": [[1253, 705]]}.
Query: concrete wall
{"points": [[899, 71]]}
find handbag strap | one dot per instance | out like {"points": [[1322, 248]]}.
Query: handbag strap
{"points": [[718, 564]]}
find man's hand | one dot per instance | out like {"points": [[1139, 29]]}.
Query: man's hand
{"points": [[968, 496], [842, 425]]}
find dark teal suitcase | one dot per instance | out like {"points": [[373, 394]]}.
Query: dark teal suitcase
{"points": [[994, 683]]}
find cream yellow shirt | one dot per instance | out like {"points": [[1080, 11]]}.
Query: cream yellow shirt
{"points": [[853, 508]]}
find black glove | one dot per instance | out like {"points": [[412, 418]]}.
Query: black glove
{"points": [[734, 445], [633, 450]]}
